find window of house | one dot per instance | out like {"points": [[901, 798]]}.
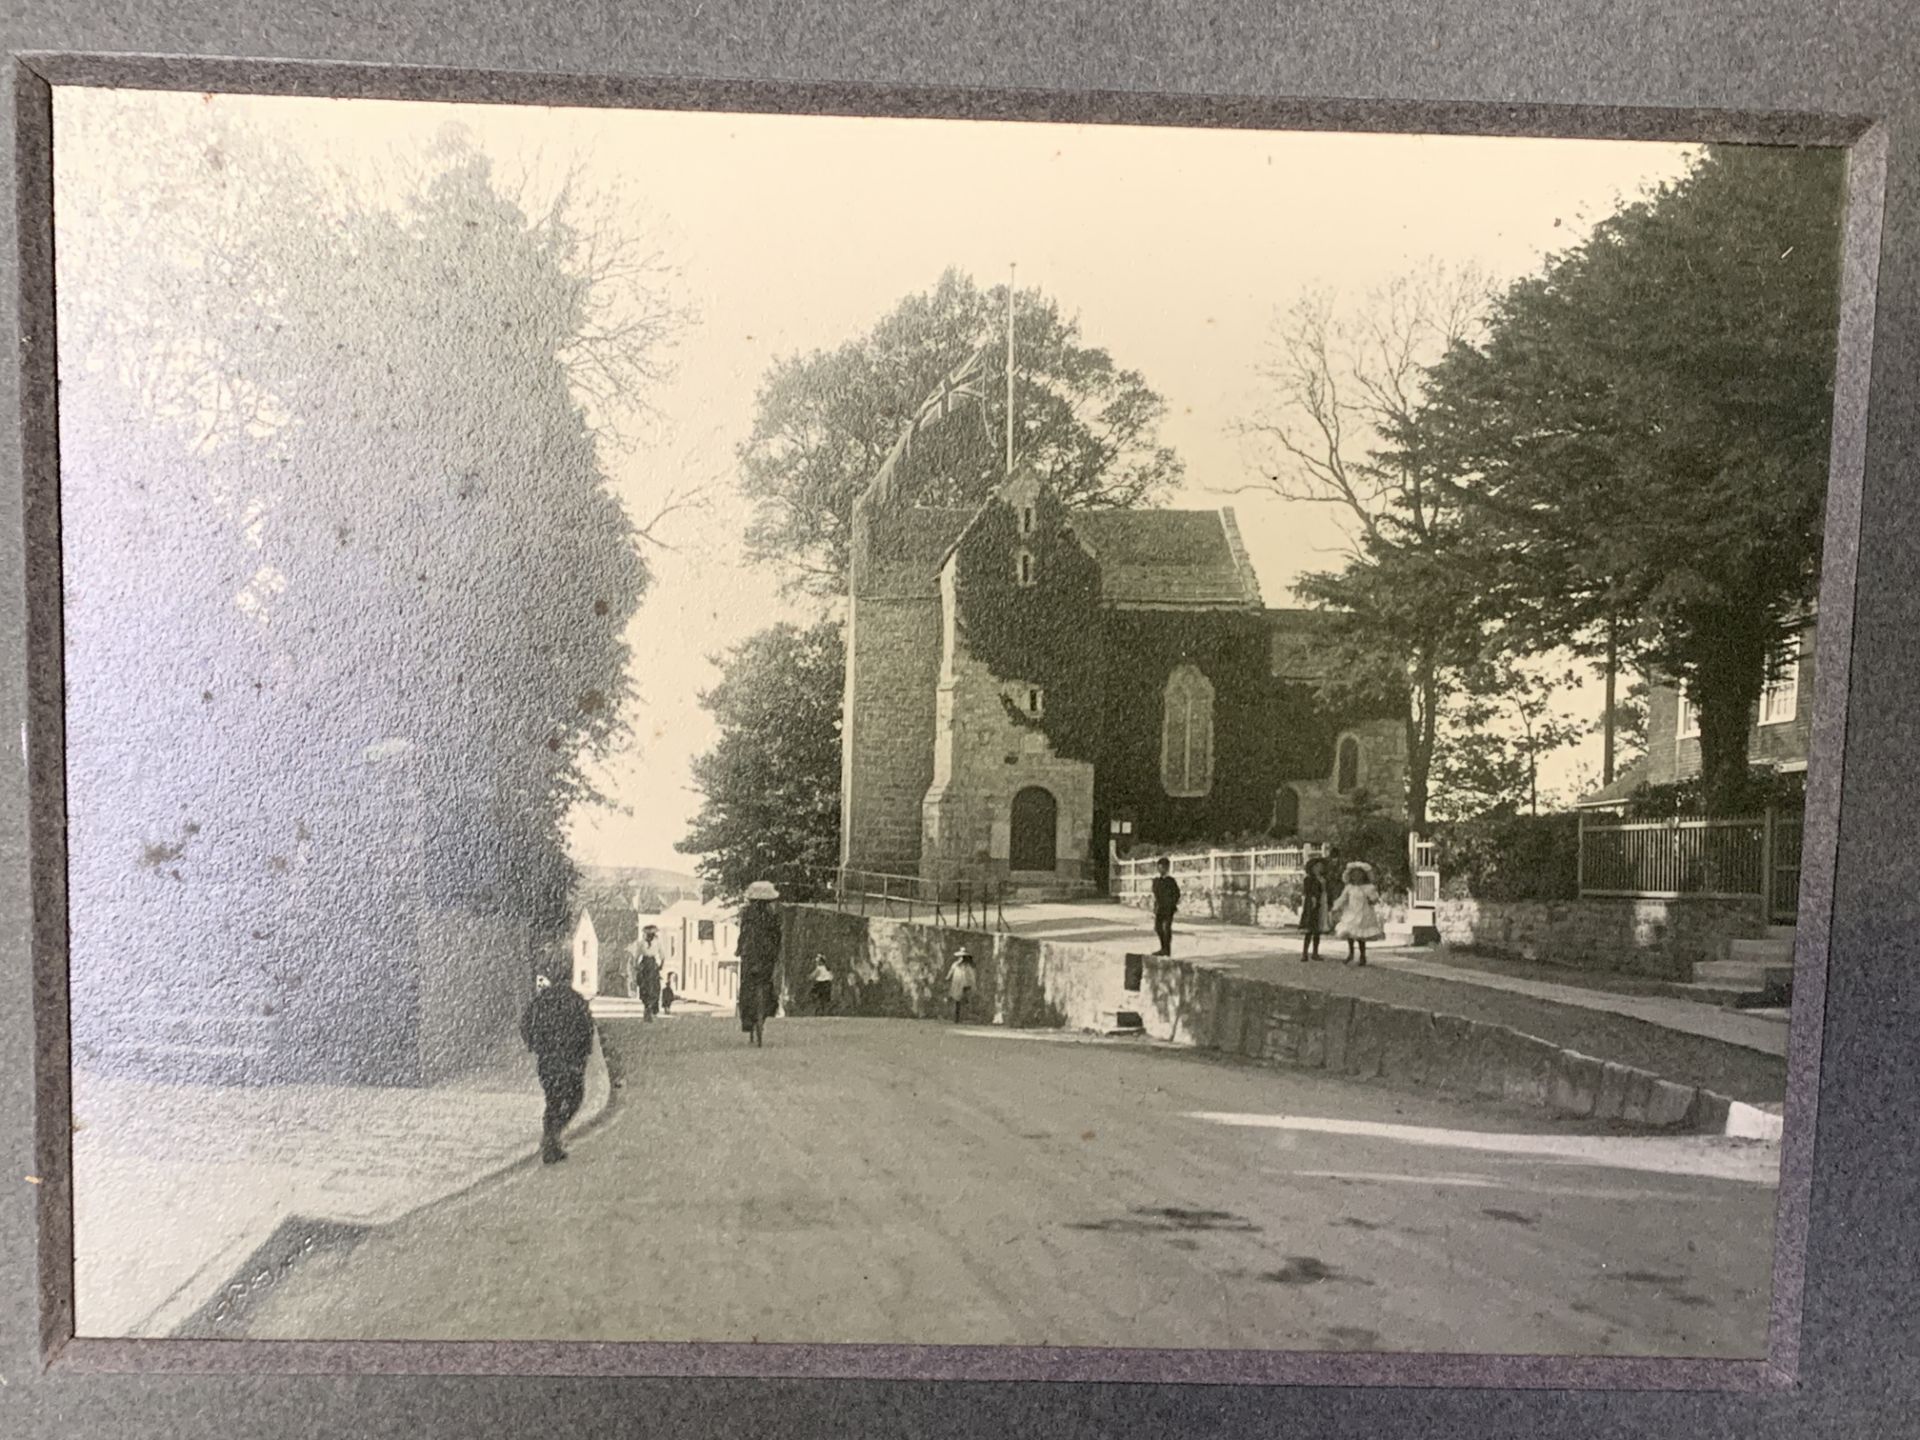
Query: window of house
{"points": [[1026, 520], [1036, 700], [1346, 772], [1026, 569], [1780, 701], [1689, 718], [1186, 736], [706, 929]]}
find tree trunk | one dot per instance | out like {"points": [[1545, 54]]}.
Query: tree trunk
{"points": [[1421, 729], [1727, 690], [1612, 718]]}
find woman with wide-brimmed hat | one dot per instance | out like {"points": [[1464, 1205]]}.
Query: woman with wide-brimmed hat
{"points": [[759, 950], [1356, 912]]}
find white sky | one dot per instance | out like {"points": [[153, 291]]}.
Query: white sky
{"points": [[1175, 248]]}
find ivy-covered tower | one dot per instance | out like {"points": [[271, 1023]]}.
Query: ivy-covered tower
{"points": [[1016, 718]]}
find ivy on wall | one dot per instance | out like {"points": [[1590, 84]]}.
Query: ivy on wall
{"points": [[1265, 731], [1045, 633], [1104, 676]]}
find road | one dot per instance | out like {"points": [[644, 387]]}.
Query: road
{"points": [[889, 1181]]}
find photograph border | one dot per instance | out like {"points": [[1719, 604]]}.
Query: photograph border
{"points": [[35, 75]]}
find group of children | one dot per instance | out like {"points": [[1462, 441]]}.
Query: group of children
{"points": [[1350, 911]]}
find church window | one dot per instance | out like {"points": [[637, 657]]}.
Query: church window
{"points": [[1036, 700], [1027, 570], [1347, 768], [1026, 520], [1186, 735]]}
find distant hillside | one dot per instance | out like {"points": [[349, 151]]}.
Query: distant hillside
{"points": [[671, 884]]}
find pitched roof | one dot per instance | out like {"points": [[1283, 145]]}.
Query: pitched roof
{"points": [[1619, 792], [1168, 557], [614, 922]]}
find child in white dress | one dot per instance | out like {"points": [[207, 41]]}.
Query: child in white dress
{"points": [[1356, 913]]}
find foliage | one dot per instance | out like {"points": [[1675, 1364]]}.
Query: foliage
{"points": [[772, 781], [1036, 634], [380, 580], [1763, 787], [1363, 830], [826, 421], [1505, 856], [1643, 433], [1266, 731], [1500, 729], [1341, 385]]}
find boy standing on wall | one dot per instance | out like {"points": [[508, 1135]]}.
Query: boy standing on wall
{"points": [[1166, 901]]}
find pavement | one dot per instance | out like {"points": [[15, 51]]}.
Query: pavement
{"points": [[191, 1196], [893, 1181], [1737, 1053]]}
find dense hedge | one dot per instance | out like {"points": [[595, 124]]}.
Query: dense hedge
{"points": [[1511, 857], [1765, 787]]}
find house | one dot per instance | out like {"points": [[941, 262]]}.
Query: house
{"points": [[696, 943], [605, 934], [1778, 738], [1023, 680]]}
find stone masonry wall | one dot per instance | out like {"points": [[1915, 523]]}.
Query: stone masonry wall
{"points": [[893, 669], [983, 758], [1660, 938], [894, 968]]}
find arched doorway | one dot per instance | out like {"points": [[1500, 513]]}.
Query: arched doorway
{"points": [[1035, 817], [1286, 812]]}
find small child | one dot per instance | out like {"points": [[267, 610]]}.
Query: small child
{"points": [[1315, 919], [822, 986], [960, 982], [666, 996], [1357, 912]]}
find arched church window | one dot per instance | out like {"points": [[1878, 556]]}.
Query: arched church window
{"points": [[1186, 735], [1347, 769], [1025, 570]]}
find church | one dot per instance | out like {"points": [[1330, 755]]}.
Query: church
{"points": [[1024, 681]]}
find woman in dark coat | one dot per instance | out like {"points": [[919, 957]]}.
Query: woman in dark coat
{"points": [[759, 950]]}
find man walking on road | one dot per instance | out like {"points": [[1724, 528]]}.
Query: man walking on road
{"points": [[648, 974], [1166, 901], [558, 1028]]}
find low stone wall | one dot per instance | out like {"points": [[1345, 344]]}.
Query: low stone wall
{"points": [[1449, 1054], [894, 968], [1663, 939], [1238, 908]]}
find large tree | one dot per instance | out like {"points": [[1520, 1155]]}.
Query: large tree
{"points": [[1340, 383], [380, 417], [827, 420], [772, 780], [1642, 435]]}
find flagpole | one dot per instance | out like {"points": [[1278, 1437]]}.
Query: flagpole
{"points": [[1011, 270]]}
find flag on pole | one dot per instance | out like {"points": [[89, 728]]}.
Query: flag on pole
{"points": [[954, 391]]}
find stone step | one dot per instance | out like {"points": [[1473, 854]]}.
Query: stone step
{"points": [[1761, 952], [1747, 976]]}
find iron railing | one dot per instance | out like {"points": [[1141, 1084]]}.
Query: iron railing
{"points": [[962, 904]]}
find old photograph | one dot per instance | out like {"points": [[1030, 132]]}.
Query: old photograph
{"points": [[713, 727]]}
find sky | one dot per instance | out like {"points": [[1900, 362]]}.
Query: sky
{"points": [[1175, 249]]}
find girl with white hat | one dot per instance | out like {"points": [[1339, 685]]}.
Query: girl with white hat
{"points": [[1356, 912]]}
